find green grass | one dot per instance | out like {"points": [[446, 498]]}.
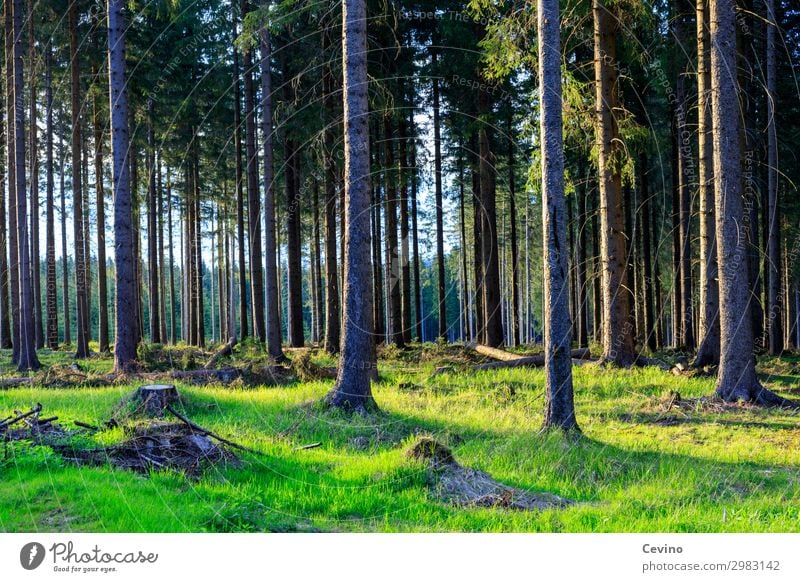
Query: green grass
{"points": [[732, 471]]}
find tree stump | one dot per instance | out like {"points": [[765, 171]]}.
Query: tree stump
{"points": [[156, 397]]}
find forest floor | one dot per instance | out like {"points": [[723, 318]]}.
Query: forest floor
{"points": [[644, 463]]}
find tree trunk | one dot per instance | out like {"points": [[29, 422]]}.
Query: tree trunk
{"points": [[377, 262], [618, 327], [405, 263], [34, 169], [395, 331], [82, 345], [415, 232], [13, 245], [27, 359], [708, 352], [465, 303], [102, 276], [332, 308], [273, 319], [357, 364], [437, 156], [51, 298], [559, 406], [152, 235], [173, 321], [237, 123], [647, 262], [736, 379], [512, 196], [293, 242], [773, 260], [124, 259]]}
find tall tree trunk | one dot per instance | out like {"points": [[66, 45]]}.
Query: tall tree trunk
{"points": [[332, 308], [237, 123], [377, 262], [27, 359], [736, 379], [293, 242], [580, 272], [273, 317], [512, 207], [647, 252], [102, 276], [253, 195], [477, 250], [5, 307], [162, 290], [708, 352], [415, 233], [173, 321], [395, 332], [51, 298], [38, 316], [357, 364], [437, 157], [82, 345], [618, 328], [559, 406], [152, 234], [13, 241], [773, 260], [465, 303], [125, 298], [405, 264]]}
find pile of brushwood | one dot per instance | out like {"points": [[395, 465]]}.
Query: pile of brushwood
{"points": [[150, 444]]}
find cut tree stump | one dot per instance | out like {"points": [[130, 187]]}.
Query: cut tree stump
{"points": [[156, 397]]}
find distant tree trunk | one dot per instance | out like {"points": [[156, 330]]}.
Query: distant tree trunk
{"points": [[415, 232], [395, 332], [512, 208], [293, 242], [102, 276], [405, 264], [580, 271], [51, 298], [489, 248], [736, 379], [377, 262], [677, 296], [273, 317], [332, 307], [173, 329], [314, 261], [357, 364], [64, 256], [82, 345], [477, 250], [465, 303], [618, 328], [774, 323], [38, 316], [124, 259], [237, 123], [13, 241], [162, 288], [597, 275], [27, 359], [647, 262], [437, 149], [559, 406], [253, 195], [5, 321], [708, 352], [152, 234]]}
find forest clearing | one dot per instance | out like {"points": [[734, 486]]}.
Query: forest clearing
{"points": [[644, 462]]}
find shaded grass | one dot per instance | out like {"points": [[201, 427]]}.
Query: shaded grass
{"points": [[707, 472]]}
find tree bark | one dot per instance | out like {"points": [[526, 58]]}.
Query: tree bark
{"points": [[437, 157], [773, 259], [293, 258], [395, 331], [237, 123], [559, 406], [154, 308], [38, 316], [618, 327], [51, 298], [357, 364], [708, 352]]}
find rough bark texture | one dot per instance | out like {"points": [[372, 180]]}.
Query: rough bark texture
{"points": [[559, 406], [708, 352], [27, 359], [618, 326], [357, 364], [125, 272], [773, 259], [273, 318]]}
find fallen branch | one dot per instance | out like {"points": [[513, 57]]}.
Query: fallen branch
{"points": [[496, 353], [206, 432], [225, 350], [529, 362], [308, 446], [22, 416]]}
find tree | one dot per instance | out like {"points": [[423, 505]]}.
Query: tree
{"points": [[81, 291], [618, 328], [125, 272], [559, 407], [736, 379], [273, 320], [773, 259], [356, 369], [51, 299]]}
